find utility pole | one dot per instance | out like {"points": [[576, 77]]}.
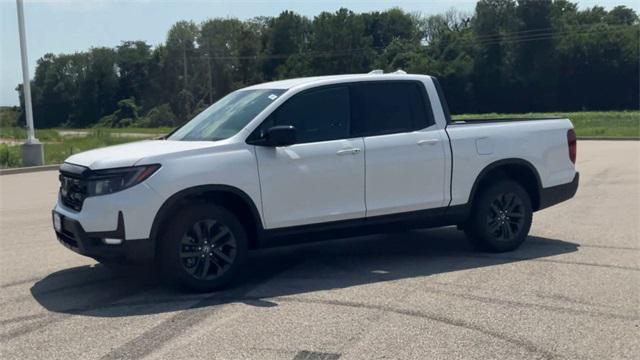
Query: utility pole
{"points": [[210, 75], [32, 150]]}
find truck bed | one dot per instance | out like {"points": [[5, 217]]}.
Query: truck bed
{"points": [[475, 144]]}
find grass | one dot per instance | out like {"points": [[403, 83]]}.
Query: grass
{"points": [[592, 123], [45, 135], [58, 147], [57, 152], [9, 156]]}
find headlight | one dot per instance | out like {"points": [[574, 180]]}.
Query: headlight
{"points": [[103, 182]]}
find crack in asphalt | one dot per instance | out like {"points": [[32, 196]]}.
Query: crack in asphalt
{"points": [[53, 318], [598, 246], [23, 318], [178, 324], [553, 308], [502, 257], [20, 282], [525, 344]]}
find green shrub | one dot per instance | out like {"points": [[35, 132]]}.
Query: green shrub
{"points": [[106, 121], [9, 116], [157, 117], [125, 116]]}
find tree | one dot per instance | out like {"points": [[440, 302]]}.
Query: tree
{"points": [[180, 60], [98, 87], [508, 56], [133, 61], [385, 27], [534, 57], [284, 36], [493, 74], [339, 44], [621, 15]]}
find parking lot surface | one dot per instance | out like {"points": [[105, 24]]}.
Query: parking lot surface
{"points": [[571, 291]]}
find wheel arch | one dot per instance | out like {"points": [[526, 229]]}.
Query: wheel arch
{"points": [[517, 169], [232, 198]]}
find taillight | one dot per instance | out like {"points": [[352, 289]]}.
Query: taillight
{"points": [[573, 144]]}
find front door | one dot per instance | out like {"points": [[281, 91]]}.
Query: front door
{"points": [[321, 177]]}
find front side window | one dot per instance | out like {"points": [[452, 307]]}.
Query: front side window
{"points": [[318, 115], [227, 116], [388, 107]]}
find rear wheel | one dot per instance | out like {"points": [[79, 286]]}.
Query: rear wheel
{"points": [[500, 217], [204, 247]]}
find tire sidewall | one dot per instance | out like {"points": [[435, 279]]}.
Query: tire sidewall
{"points": [[184, 218]]}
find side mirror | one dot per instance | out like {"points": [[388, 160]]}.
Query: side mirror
{"points": [[282, 135]]}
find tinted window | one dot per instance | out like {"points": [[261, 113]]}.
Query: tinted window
{"points": [[388, 107], [318, 115]]}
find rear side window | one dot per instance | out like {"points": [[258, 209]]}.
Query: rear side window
{"points": [[388, 107], [318, 115]]}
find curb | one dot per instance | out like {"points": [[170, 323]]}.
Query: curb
{"points": [[23, 170]]}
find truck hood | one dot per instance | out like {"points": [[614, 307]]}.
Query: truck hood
{"points": [[131, 153]]}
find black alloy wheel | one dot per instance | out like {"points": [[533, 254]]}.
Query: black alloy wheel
{"points": [[208, 249], [203, 248], [506, 218], [500, 217]]}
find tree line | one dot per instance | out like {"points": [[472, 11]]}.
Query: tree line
{"points": [[506, 56]]}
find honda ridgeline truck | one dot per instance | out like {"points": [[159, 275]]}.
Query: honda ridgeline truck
{"points": [[309, 158]]}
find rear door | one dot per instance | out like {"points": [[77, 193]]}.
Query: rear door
{"points": [[405, 155], [321, 177]]}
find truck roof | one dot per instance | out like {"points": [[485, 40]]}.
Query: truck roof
{"points": [[328, 79]]}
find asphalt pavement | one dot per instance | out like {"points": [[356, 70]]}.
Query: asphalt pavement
{"points": [[571, 291]]}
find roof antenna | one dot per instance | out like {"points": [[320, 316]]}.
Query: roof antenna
{"points": [[376, 72], [399, 72]]}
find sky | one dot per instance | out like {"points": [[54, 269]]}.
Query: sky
{"points": [[67, 26]]}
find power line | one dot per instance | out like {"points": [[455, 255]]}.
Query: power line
{"points": [[536, 37], [545, 29], [507, 37], [548, 35]]}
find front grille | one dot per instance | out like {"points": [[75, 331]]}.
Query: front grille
{"points": [[72, 191]]}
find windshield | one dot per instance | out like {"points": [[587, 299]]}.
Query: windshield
{"points": [[227, 116]]}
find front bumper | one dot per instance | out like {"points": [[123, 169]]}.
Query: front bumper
{"points": [[72, 235], [557, 194]]}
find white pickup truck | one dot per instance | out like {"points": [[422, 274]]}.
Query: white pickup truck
{"points": [[309, 158]]}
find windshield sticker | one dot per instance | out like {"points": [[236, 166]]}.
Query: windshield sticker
{"points": [[273, 97]]}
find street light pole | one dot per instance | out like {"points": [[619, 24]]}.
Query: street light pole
{"points": [[32, 152]]}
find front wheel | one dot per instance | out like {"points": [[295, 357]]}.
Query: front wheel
{"points": [[500, 217], [204, 247]]}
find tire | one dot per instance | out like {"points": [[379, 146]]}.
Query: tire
{"points": [[500, 217], [203, 248]]}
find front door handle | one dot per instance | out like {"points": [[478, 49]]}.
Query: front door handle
{"points": [[428, 142], [352, 151]]}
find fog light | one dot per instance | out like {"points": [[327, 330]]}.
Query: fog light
{"points": [[109, 241]]}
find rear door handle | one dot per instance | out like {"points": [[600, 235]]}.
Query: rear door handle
{"points": [[428, 142], [348, 151]]}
